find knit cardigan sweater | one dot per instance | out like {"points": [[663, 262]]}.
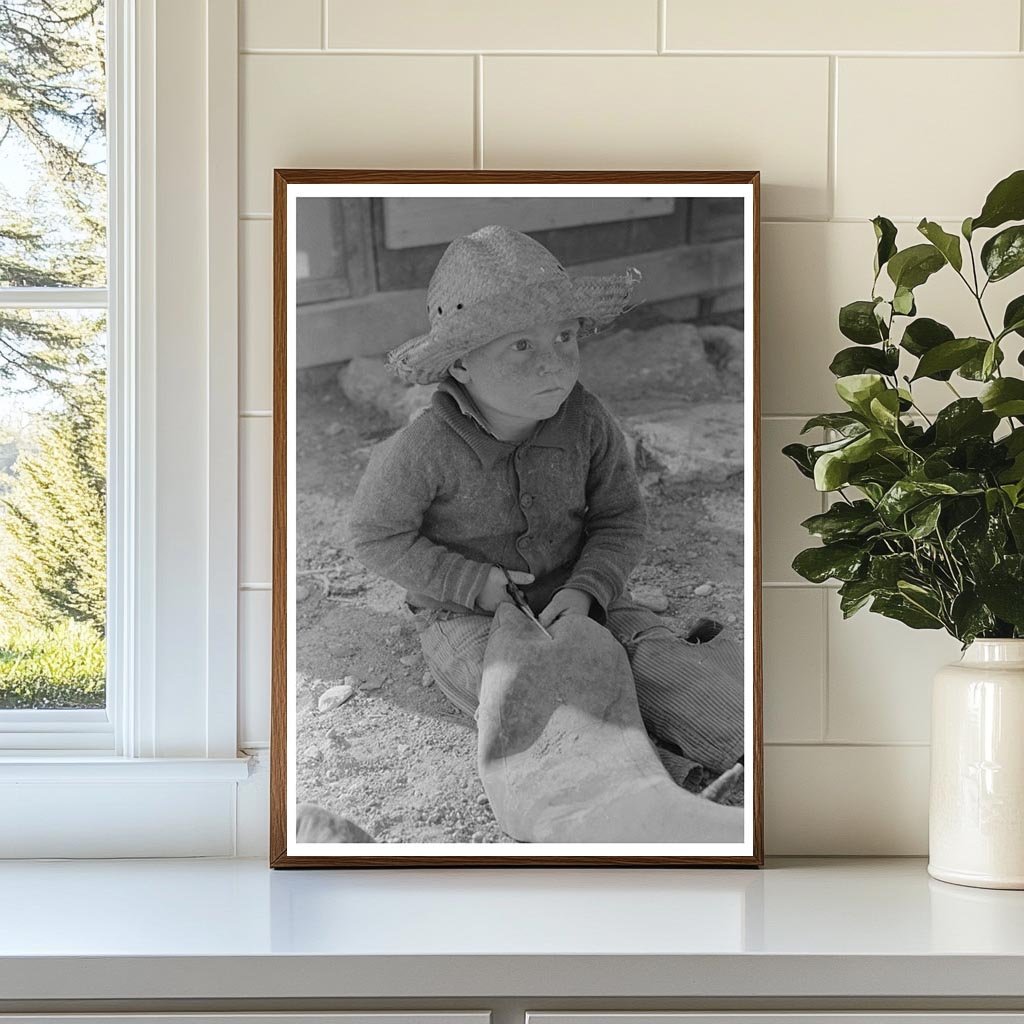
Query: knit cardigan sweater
{"points": [[443, 500]]}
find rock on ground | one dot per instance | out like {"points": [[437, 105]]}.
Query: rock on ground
{"points": [[315, 825], [696, 442], [334, 697]]}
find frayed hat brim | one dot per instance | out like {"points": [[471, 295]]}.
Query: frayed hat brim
{"points": [[598, 299]]}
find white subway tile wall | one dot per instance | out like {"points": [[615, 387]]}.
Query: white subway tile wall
{"points": [[471, 25], [255, 312], [907, 112], [698, 113], [871, 25]]}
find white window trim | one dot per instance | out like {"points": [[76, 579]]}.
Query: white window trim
{"points": [[172, 500]]}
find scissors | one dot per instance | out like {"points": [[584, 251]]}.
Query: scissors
{"points": [[519, 600]]}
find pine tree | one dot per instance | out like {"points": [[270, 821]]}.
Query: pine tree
{"points": [[53, 122], [53, 519], [52, 113]]}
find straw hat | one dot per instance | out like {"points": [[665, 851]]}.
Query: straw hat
{"points": [[498, 280]]}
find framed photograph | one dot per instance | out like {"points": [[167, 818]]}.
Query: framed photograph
{"points": [[516, 550]]}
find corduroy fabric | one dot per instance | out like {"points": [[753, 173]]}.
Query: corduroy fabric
{"points": [[690, 695], [441, 501]]}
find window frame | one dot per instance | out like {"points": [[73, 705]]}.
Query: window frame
{"points": [[173, 465], [56, 731]]}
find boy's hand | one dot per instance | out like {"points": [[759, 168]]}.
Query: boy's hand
{"points": [[567, 601], [494, 592]]}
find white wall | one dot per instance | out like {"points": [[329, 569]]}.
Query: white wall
{"points": [[908, 110]]}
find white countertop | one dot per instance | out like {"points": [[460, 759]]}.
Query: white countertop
{"points": [[233, 928]]}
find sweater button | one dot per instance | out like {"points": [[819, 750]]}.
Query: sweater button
{"points": [[526, 500]]}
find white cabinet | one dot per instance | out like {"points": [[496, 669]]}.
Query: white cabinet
{"points": [[361, 1017], [785, 1017]]}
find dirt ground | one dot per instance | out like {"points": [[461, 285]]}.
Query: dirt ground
{"points": [[397, 758]]}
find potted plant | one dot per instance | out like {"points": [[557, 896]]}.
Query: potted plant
{"points": [[927, 521]]}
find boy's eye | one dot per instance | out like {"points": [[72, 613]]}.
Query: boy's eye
{"points": [[521, 344], [567, 336]]}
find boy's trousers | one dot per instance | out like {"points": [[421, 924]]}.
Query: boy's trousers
{"points": [[690, 695]]}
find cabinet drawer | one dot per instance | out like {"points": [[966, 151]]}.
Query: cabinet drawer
{"points": [[787, 1017], [359, 1017]]}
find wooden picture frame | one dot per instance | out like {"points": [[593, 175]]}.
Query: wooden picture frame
{"points": [[697, 233]]}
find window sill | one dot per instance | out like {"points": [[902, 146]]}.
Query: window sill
{"points": [[79, 806], [75, 766]]}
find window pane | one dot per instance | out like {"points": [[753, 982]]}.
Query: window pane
{"points": [[53, 150], [52, 509]]}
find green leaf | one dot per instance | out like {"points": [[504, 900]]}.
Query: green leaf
{"points": [[887, 570], [885, 236], [849, 361], [965, 228], [950, 355], [994, 498], [970, 617], [966, 417], [840, 561], [1015, 519], [903, 302], [925, 518], [899, 608], [1005, 202], [799, 454], [990, 360], [863, 447], [841, 421], [913, 266], [885, 409], [1013, 317], [858, 389], [857, 321], [1003, 254], [1014, 441], [843, 521], [974, 368], [947, 244], [1004, 397], [831, 471], [854, 594], [1005, 596], [922, 336], [905, 494]]}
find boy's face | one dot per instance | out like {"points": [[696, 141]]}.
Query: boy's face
{"points": [[525, 374]]}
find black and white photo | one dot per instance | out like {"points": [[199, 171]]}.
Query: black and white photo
{"points": [[516, 567]]}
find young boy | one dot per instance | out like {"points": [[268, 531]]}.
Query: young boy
{"points": [[516, 466]]}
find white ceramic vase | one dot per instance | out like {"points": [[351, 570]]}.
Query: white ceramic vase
{"points": [[976, 812]]}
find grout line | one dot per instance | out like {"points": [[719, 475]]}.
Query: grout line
{"points": [[478, 111], [254, 586], [847, 743], [258, 51], [256, 413], [347, 51], [255, 216], [323, 25], [828, 585], [824, 713], [833, 134], [662, 42]]}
